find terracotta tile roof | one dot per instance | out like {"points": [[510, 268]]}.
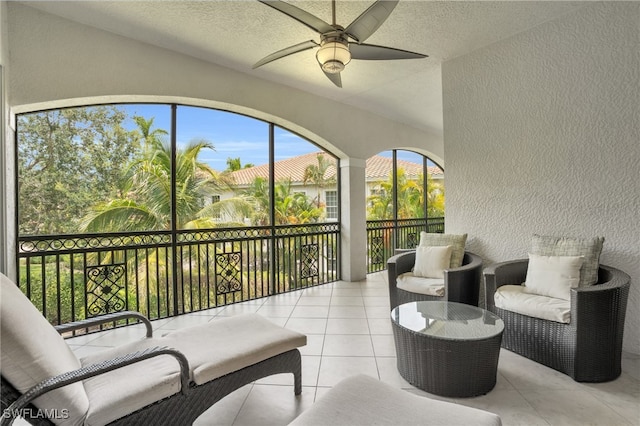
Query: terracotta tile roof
{"points": [[290, 168], [377, 168]]}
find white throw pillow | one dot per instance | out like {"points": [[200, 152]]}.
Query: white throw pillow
{"points": [[432, 261], [553, 276], [457, 243]]}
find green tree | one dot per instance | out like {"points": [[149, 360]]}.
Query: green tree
{"points": [[319, 175], [380, 203], [410, 198], [409, 192], [257, 195], [145, 201], [435, 198], [293, 208], [68, 159], [235, 164], [289, 207]]}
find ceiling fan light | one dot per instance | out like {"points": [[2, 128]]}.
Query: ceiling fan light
{"points": [[332, 67], [333, 56]]}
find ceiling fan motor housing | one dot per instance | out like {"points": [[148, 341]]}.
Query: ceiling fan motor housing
{"points": [[334, 52]]}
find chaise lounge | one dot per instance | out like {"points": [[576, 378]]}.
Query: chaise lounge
{"points": [[167, 380]]}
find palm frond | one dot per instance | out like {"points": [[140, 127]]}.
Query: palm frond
{"points": [[119, 215]]}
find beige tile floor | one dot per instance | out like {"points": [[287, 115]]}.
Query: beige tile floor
{"points": [[349, 333]]}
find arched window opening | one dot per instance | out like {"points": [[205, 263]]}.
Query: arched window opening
{"points": [[168, 209], [405, 196]]}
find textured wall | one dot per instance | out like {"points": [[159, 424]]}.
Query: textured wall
{"points": [[542, 135]]}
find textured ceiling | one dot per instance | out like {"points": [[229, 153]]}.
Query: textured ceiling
{"points": [[236, 34]]}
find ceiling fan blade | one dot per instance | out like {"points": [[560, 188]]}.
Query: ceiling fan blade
{"points": [[300, 15], [335, 78], [370, 20], [305, 45], [372, 52]]}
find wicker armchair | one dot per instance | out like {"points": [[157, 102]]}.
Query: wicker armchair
{"points": [[169, 380], [460, 284], [589, 347]]}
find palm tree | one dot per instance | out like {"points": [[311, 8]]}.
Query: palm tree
{"points": [[144, 127], [289, 207], [145, 204], [257, 194], [380, 204], [435, 198], [409, 196], [293, 208], [234, 164], [145, 201], [316, 174]]}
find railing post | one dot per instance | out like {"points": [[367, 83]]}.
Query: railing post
{"points": [[174, 215], [394, 191], [273, 258]]}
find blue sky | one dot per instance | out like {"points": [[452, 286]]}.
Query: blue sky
{"points": [[233, 135]]}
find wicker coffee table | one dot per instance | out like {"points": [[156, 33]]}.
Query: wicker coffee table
{"points": [[446, 348]]}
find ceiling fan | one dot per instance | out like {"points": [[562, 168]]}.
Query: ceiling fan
{"points": [[339, 45]]}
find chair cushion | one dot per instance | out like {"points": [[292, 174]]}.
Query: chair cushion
{"points": [[457, 242], [515, 298], [32, 351], [228, 344], [363, 400], [429, 286], [553, 276], [219, 347], [589, 248], [120, 392], [432, 261]]}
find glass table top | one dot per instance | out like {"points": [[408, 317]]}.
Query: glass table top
{"points": [[447, 320]]}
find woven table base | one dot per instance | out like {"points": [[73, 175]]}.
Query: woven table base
{"points": [[453, 368]]}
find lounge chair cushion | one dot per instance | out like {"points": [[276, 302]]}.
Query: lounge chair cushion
{"points": [[456, 241], [219, 347], [115, 394], [363, 400], [590, 248], [553, 276], [234, 343], [429, 286], [33, 351], [515, 298]]}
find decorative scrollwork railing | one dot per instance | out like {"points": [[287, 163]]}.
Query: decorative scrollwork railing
{"points": [[161, 274], [384, 236]]}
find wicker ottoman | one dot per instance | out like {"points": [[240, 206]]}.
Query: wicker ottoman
{"points": [[363, 400], [446, 348]]}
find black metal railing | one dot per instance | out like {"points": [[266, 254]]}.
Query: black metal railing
{"points": [[384, 236], [73, 277], [163, 274]]}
